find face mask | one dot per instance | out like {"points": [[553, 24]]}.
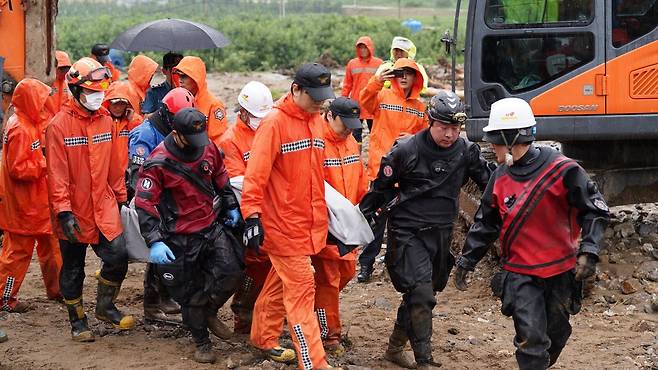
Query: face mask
{"points": [[254, 122], [93, 101]]}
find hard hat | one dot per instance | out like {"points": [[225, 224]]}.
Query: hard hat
{"points": [[510, 118], [90, 74], [101, 52], [62, 59], [446, 107], [256, 98], [177, 99]]}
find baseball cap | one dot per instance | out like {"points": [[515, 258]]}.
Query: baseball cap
{"points": [[348, 110], [316, 80], [192, 124], [101, 52]]}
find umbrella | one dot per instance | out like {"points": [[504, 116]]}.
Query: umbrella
{"points": [[170, 35]]}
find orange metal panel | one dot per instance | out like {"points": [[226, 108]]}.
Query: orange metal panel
{"points": [[634, 81], [581, 95], [12, 34]]}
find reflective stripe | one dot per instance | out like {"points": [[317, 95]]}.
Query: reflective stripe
{"points": [[337, 162], [124, 133], [416, 112], [35, 145], [101, 138], [363, 70], [301, 145], [245, 156], [318, 143], [391, 107], [332, 162], [351, 159], [322, 319], [307, 364], [6, 294], [75, 141]]}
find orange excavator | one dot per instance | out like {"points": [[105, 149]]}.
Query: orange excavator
{"points": [[27, 48], [588, 68]]}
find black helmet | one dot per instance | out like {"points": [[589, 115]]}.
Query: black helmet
{"points": [[446, 107]]}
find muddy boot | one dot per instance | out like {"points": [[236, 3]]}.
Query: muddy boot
{"points": [[153, 313], [432, 366], [243, 305], [365, 274], [280, 354], [169, 306], [204, 354], [395, 351], [336, 349], [79, 330], [218, 328], [105, 308]]}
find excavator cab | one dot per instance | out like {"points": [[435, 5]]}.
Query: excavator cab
{"points": [[588, 68]]}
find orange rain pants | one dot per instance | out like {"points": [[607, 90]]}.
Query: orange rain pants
{"points": [[289, 291], [15, 259]]}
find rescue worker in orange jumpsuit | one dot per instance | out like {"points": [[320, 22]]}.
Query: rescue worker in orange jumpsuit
{"points": [[24, 212], [101, 52], [190, 73], [398, 111], [60, 93], [140, 73], [86, 189], [283, 200], [121, 104], [357, 74], [344, 171], [255, 101]]}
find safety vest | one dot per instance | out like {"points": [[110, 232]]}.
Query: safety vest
{"points": [[539, 235]]}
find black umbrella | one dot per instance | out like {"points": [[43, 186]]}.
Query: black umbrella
{"points": [[170, 35]]}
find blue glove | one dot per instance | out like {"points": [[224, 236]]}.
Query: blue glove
{"points": [[233, 217], [161, 254]]}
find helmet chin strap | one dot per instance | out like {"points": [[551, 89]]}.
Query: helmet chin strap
{"points": [[509, 159]]}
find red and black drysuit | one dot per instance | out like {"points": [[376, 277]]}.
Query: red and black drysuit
{"points": [[538, 206], [174, 201], [418, 185]]}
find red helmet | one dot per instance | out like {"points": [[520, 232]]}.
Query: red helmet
{"points": [[177, 99], [90, 74]]}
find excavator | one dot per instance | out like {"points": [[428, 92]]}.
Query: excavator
{"points": [[27, 48], [588, 68]]}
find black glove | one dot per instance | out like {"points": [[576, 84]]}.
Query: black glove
{"points": [[585, 266], [460, 278], [69, 225], [254, 234]]}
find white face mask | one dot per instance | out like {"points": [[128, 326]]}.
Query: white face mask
{"points": [[254, 122], [93, 101]]}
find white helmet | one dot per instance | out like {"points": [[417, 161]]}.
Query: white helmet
{"points": [[509, 114], [256, 98]]}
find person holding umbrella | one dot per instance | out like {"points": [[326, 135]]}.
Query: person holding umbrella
{"points": [[153, 100], [190, 73]]}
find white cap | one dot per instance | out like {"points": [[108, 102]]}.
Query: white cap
{"points": [[510, 113], [256, 98], [401, 43]]}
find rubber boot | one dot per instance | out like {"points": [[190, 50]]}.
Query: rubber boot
{"points": [[280, 354], [105, 308], [365, 274], [395, 351], [3, 336], [216, 326], [204, 354], [169, 306], [243, 305], [79, 330]]}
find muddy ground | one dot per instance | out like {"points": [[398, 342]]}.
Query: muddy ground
{"points": [[615, 330]]}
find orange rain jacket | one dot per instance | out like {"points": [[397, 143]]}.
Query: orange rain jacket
{"points": [[286, 168], [121, 127], [205, 101], [394, 114], [60, 89], [236, 145], [84, 175], [116, 73], [24, 206], [140, 72], [358, 72], [343, 170]]}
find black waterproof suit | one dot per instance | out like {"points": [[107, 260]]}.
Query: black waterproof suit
{"points": [[421, 213], [539, 306]]}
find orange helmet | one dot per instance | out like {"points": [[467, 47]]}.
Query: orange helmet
{"points": [[90, 74]]}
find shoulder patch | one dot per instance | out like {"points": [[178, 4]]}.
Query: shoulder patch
{"points": [[146, 184], [219, 114], [600, 204], [388, 171], [140, 151]]}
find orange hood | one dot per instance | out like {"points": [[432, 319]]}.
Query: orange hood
{"points": [[367, 41], [195, 68], [29, 98], [418, 82], [141, 71], [63, 59], [120, 90]]}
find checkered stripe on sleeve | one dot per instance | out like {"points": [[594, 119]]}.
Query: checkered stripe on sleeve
{"points": [[75, 141], [295, 146], [101, 138], [35, 145]]}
